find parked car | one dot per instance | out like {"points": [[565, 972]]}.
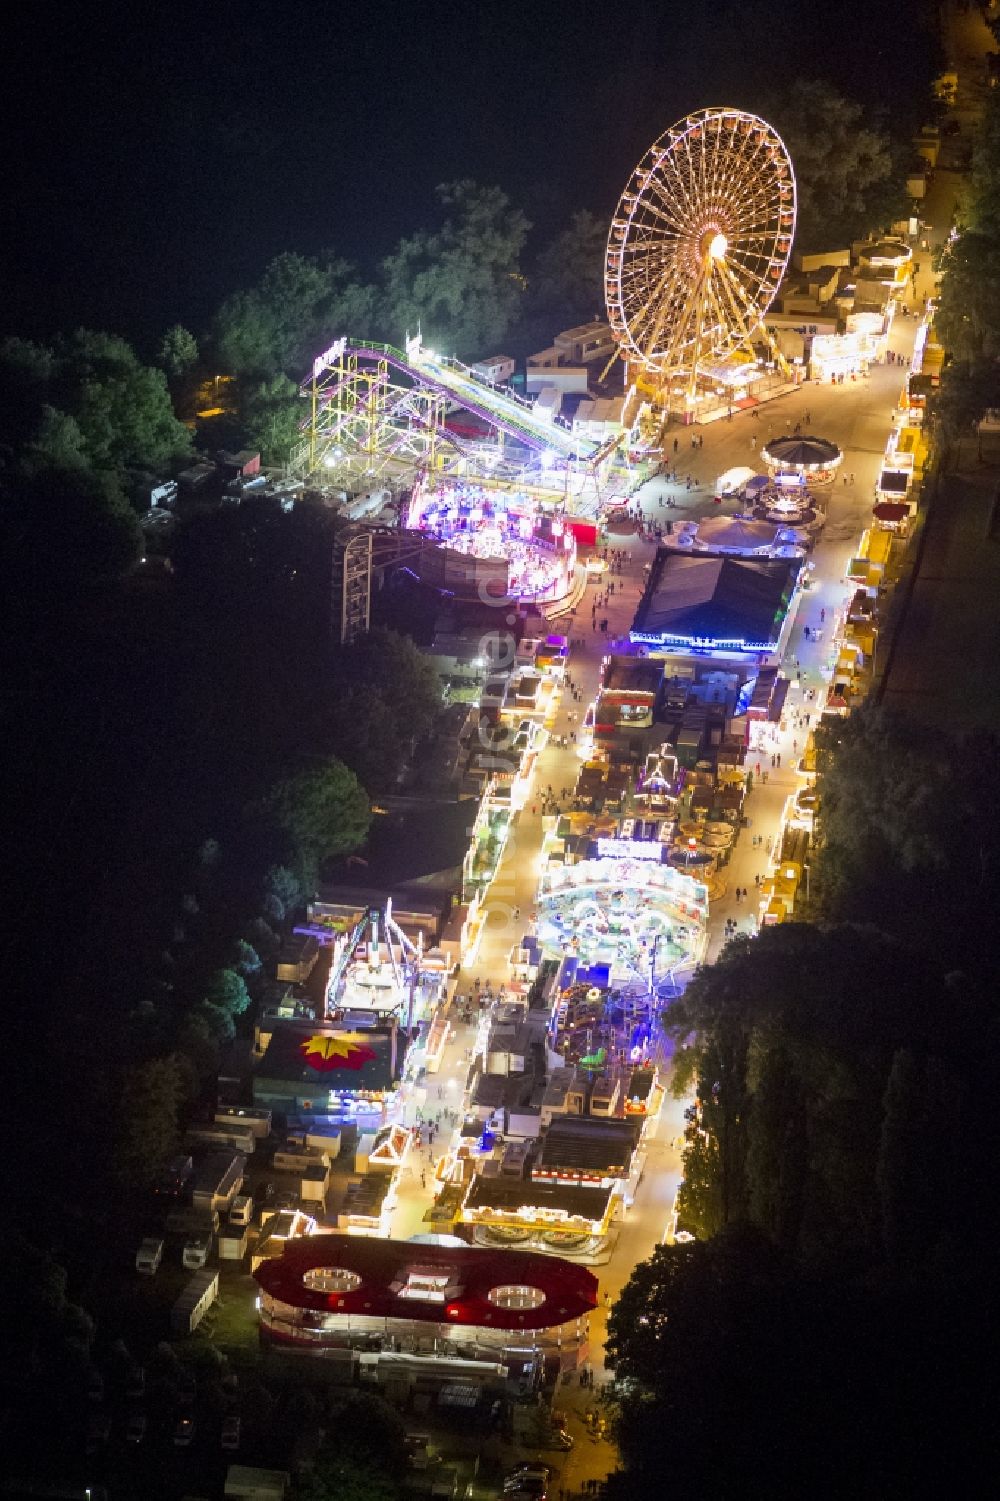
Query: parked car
{"points": [[184, 1431], [135, 1429], [528, 1480], [231, 1432]]}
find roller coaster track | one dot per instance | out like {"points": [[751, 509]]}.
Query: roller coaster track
{"points": [[499, 409]]}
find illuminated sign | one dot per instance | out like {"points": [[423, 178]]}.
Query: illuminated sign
{"points": [[333, 354], [629, 849]]}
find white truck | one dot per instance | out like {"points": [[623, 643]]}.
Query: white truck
{"points": [[149, 1256]]}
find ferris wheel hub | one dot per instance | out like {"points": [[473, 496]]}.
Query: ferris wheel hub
{"points": [[717, 247]]}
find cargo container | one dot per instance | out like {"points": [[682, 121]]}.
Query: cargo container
{"points": [[217, 1181], [245, 1118], [235, 1138], [194, 1302]]}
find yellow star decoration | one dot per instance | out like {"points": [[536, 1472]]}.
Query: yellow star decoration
{"points": [[341, 1050]]}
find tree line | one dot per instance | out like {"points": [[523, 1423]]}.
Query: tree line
{"points": [[967, 320], [824, 1328]]}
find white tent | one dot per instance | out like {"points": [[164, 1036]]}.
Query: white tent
{"points": [[731, 534], [733, 479]]}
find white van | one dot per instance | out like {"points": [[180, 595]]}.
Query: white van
{"points": [[196, 1250], [149, 1256]]}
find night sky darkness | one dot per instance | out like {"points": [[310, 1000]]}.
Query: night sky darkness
{"points": [[156, 155]]}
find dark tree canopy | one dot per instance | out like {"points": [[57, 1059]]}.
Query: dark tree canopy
{"points": [[737, 1374], [968, 316], [319, 813], [299, 306], [121, 408], [843, 165], [462, 283]]}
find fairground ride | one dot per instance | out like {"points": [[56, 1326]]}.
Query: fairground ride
{"points": [[698, 246], [380, 417]]}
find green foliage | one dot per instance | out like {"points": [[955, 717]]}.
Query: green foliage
{"points": [[46, 1337], [178, 351], [227, 991], [343, 1478], [369, 1467], [246, 959], [794, 1036], [63, 530], [461, 284], [968, 319], [88, 399], [568, 280], [149, 1119], [843, 166], [123, 407], [899, 1163], [968, 390], [319, 813], [283, 885], [885, 799], [908, 830], [203, 1031], [776, 1162], [737, 1374], [299, 305], [388, 697], [57, 443], [699, 1198], [272, 411]]}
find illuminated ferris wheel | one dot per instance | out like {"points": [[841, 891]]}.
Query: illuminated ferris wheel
{"points": [[698, 246]]}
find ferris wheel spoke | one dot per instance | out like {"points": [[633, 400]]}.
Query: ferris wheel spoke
{"points": [[670, 206], [667, 294], [663, 210], [663, 287], [745, 311], [750, 263]]}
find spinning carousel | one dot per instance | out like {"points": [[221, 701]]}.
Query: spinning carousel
{"points": [[634, 917]]}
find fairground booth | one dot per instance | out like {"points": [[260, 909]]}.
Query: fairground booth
{"points": [[709, 607], [316, 1068], [427, 1313]]}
